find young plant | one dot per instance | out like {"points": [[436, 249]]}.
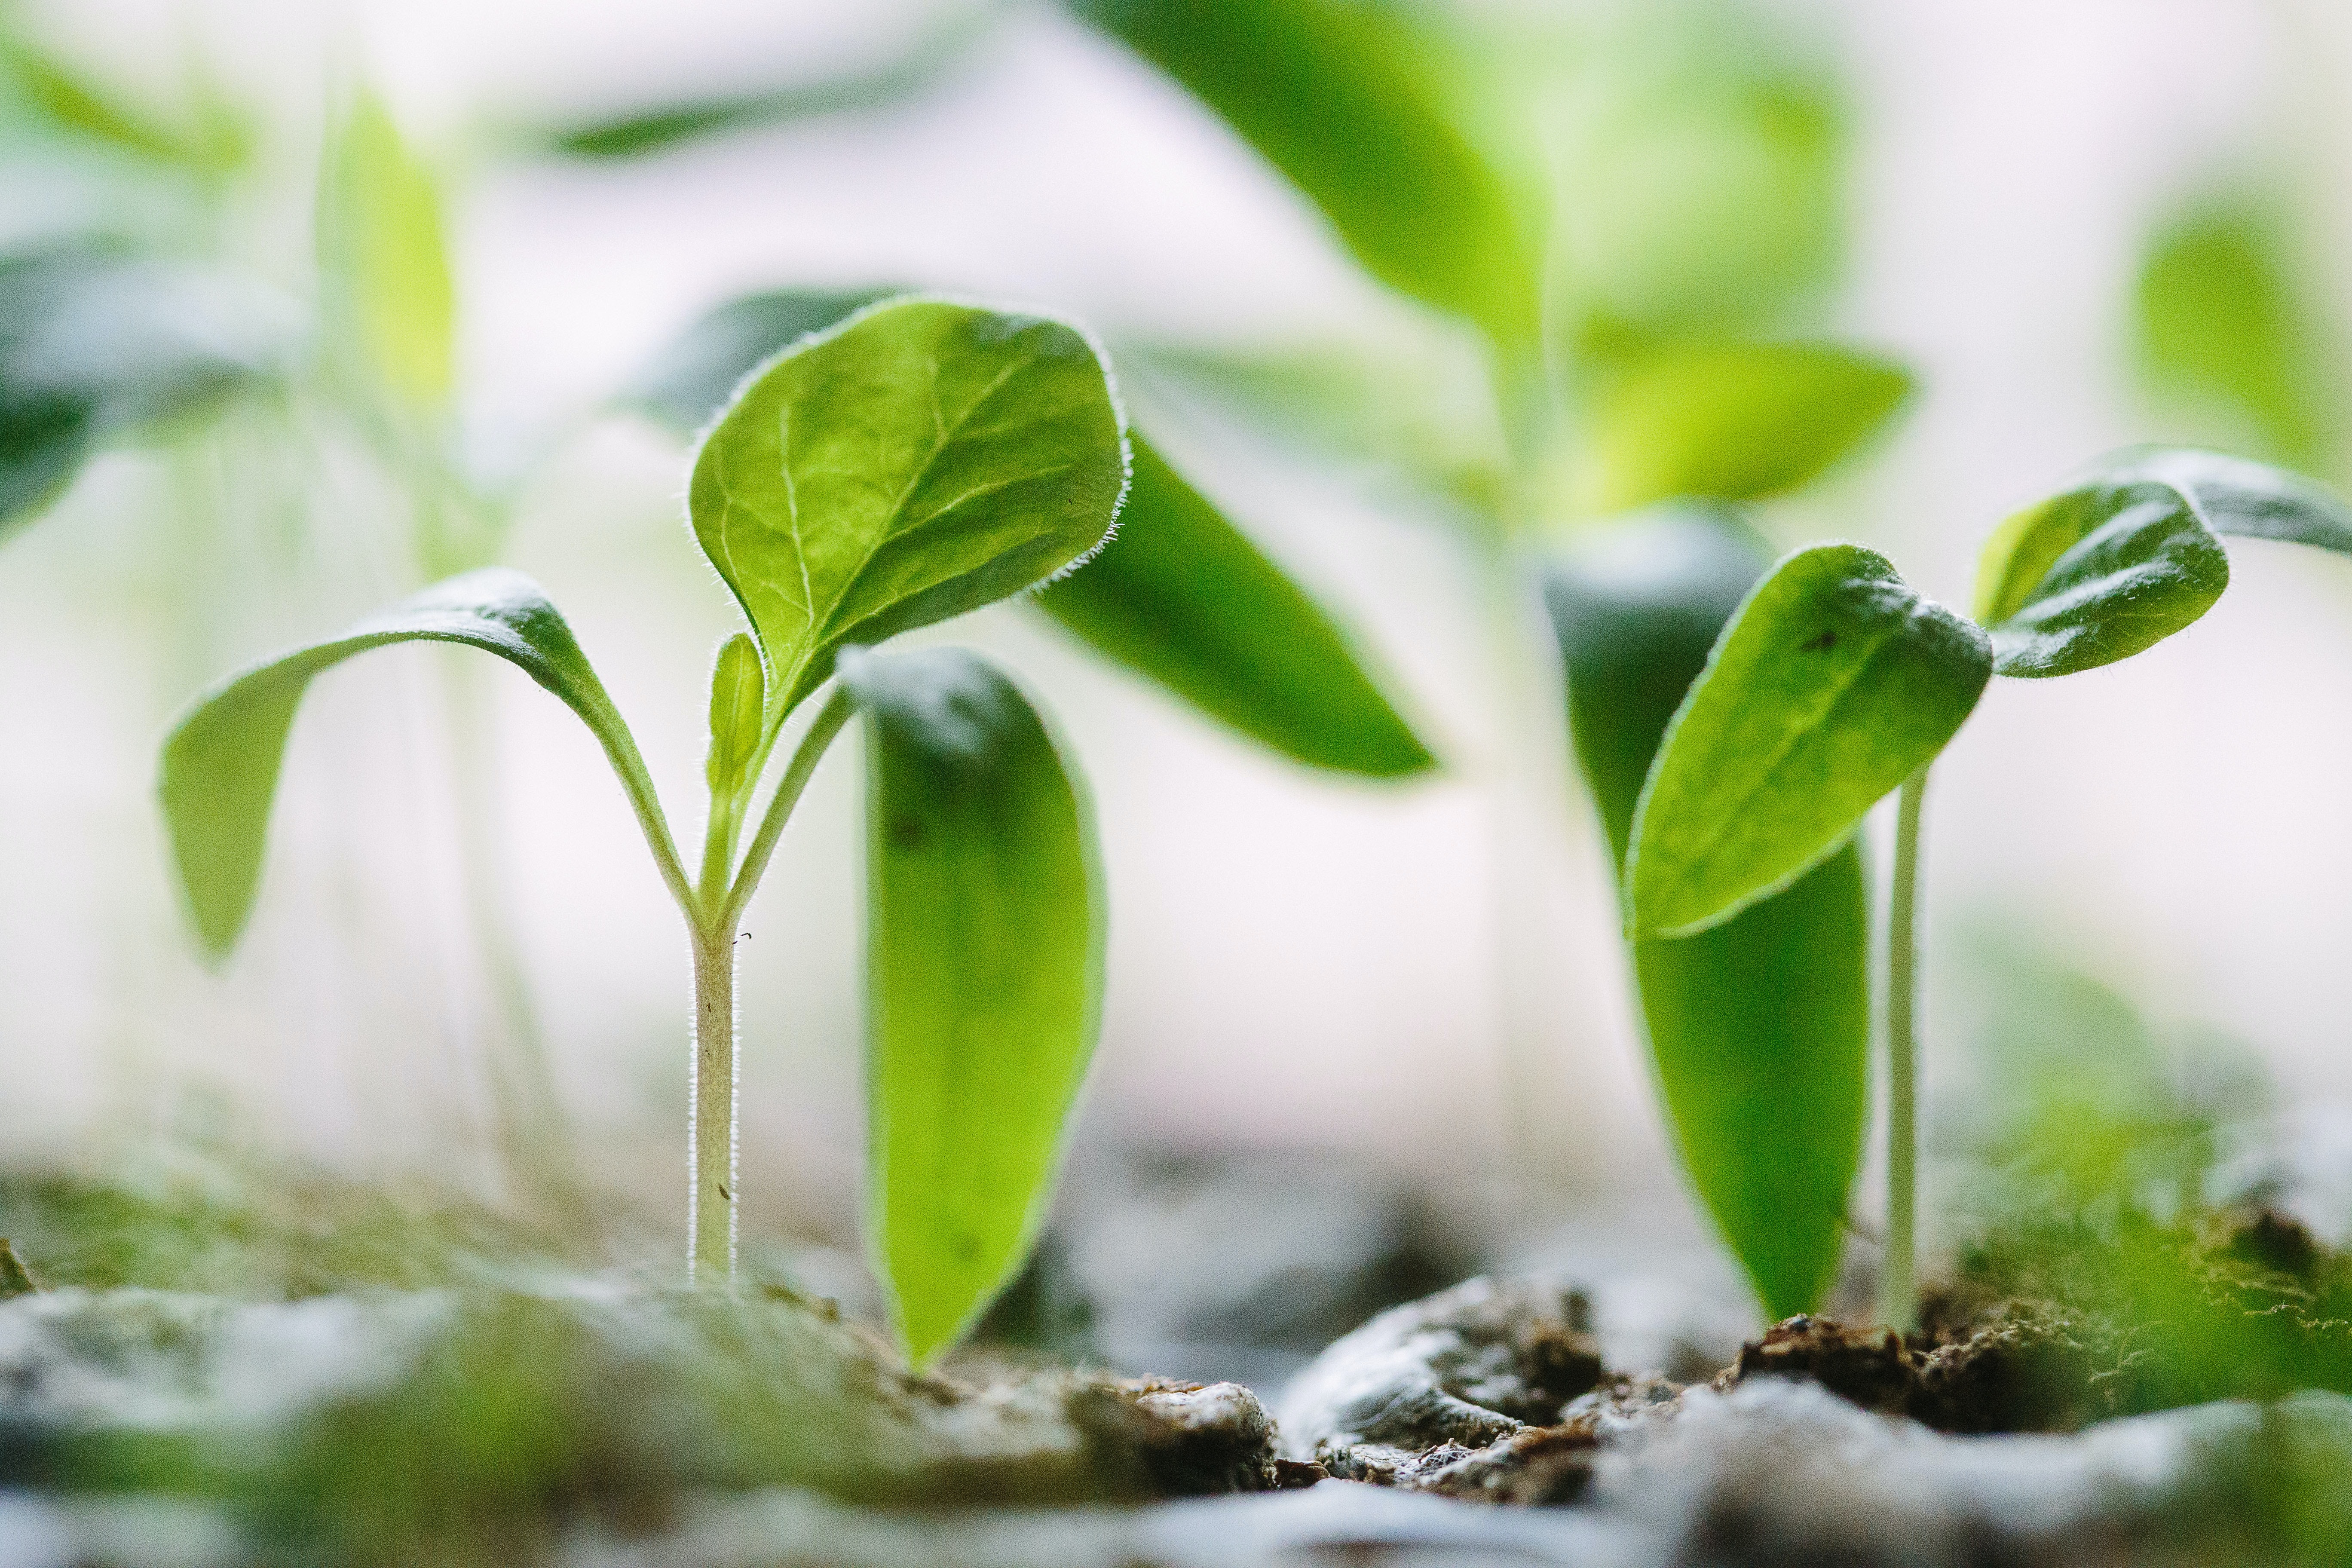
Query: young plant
{"points": [[920, 459], [1837, 683]]}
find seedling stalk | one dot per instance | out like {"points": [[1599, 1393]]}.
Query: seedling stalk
{"points": [[1898, 1286]]}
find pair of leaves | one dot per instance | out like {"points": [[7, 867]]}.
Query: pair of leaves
{"points": [[1758, 1029], [1837, 681], [916, 462], [97, 347], [1181, 596]]}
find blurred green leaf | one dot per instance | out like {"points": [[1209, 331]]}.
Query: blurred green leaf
{"points": [[1701, 166], [1729, 421], [669, 126], [1758, 1029], [1423, 413], [1337, 95], [1835, 682], [688, 383], [96, 346], [2096, 575], [54, 90], [1180, 595], [2225, 321], [384, 258], [984, 979], [221, 759], [2248, 500], [917, 461]]}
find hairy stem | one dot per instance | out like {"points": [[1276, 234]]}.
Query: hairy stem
{"points": [[712, 1114], [1898, 1287]]}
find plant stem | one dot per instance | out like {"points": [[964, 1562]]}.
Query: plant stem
{"points": [[1898, 1290], [712, 1113], [714, 1107]]}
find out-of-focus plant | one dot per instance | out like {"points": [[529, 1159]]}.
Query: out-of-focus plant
{"points": [[920, 461], [2230, 335], [1837, 682]]}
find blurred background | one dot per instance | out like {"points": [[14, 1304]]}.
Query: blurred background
{"points": [[2075, 226]]}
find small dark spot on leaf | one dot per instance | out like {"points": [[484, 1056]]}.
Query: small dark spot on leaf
{"points": [[906, 833], [1826, 640], [725, 1193]]}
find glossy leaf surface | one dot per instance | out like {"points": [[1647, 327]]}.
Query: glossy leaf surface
{"points": [[1334, 94], [2225, 325], [384, 253], [1834, 683], [2098, 573], [920, 461], [2247, 499], [1183, 597], [1758, 1029], [1729, 421], [687, 384], [222, 757], [95, 346], [984, 916]]}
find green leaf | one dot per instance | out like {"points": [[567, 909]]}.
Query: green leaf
{"points": [[1729, 421], [917, 461], [383, 255], [687, 384], [1760, 1029], [2097, 573], [984, 979], [221, 759], [65, 98], [926, 59], [1337, 95], [1835, 682], [739, 700], [2236, 497], [96, 347], [1180, 596], [2225, 321]]}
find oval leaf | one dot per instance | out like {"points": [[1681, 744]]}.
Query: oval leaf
{"points": [[984, 979], [221, 759], [1758, 1029], [1835, 682], [2096, 575], [1336, 95], [1183, 597], [738, 706], [917, 461], [1730, 421]]}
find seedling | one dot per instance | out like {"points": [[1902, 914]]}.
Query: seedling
{"points": [[1837, 683], [920, 459]]}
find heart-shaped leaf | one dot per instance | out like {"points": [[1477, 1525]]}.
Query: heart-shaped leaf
{"points": [[920, 461], [1835, 682], [2098, 573], [984, 917], [1760, 1029], [1181, 595], [1337, 95], [1731, 420], [95, 346], [221, 759]]}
